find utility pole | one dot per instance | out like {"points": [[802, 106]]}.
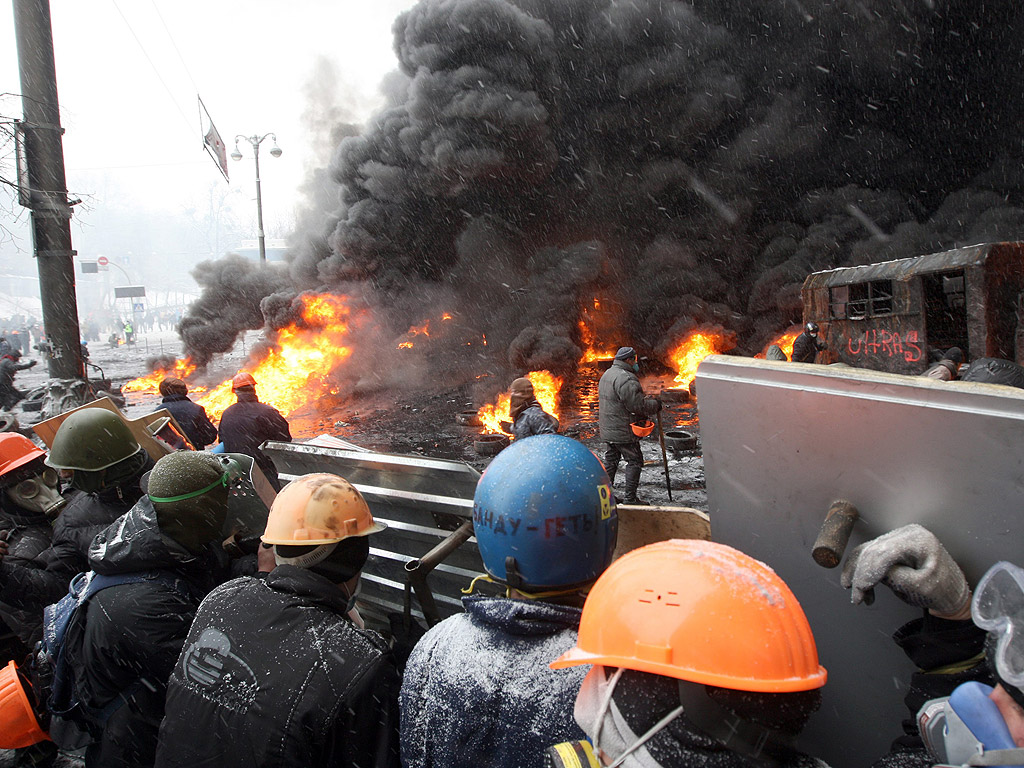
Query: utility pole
{"points": [[48, 194]]}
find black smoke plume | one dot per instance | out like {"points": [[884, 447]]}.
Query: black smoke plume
{"points": [[696, 159]]}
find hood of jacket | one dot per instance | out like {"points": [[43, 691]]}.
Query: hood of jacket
{"points": [[624, 366], [522, 617], [134, 542]]}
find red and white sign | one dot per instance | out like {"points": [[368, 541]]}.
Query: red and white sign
{"points": [[103, 261]]}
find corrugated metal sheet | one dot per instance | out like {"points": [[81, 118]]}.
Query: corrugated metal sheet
{"points": [[901, 269]]}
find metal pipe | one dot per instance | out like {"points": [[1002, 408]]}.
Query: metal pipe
{"points": [[418, 569]]}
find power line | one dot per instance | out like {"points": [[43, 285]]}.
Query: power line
{"points": [[175, 46], [156, 71]]}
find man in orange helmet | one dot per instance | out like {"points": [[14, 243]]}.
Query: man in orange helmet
{"points": [[247, 424], [275, 669], [701, 656], [29, 502]]}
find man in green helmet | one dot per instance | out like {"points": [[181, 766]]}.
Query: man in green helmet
{"points": [[105, 464], [153, 566]]}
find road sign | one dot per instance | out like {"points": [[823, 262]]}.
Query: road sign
{"points": [[103, 261], [129, 291], [138, 306]]}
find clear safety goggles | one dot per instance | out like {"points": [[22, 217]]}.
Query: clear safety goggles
{"points": [[31, 487], [998, 608]]}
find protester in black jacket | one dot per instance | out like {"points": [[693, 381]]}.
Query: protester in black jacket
{"points": [[106, 465], [528, 417], [191, 417], [124, 644], [807, 345], [247, 424], [275, 669], [29, 501], [9, 365]]}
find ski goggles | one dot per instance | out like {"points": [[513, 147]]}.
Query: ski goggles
{"points": [[998, 608]]}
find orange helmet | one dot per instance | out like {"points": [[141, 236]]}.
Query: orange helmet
{"points": [[18, 724], [701, 612], [242, 379], [16, 451], [318, 509], [642, 430]]}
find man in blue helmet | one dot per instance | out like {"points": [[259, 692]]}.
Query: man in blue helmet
{"points": [[477, 689]]}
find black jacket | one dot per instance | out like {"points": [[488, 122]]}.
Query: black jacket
{"points": [[806, 348], [126, 640], [247, 424], [36, 583], [192, 418], [620, 400], [534, 420], [278, 676], [28, 535]]}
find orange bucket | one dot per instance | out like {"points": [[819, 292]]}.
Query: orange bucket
{"points": [[18, 724]]}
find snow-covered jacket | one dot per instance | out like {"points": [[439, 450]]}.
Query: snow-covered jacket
{"points": [[478, 691], [534, 420], [278, 676], [28, 536], [620, 400], [126, 640]]}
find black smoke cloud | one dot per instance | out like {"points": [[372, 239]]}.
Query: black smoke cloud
{"points": [[697, 159]]}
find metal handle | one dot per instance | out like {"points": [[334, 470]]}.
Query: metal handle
{"points": [[834, 534]]}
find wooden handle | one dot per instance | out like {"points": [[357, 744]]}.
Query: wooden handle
{"points": [[835, 534]]}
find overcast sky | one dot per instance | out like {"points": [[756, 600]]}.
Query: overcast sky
{"points": [[128, 72]]}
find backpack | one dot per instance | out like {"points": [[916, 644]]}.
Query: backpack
{"points": [[54, 680]]}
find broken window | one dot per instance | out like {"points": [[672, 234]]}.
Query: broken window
{"points": [[861, 300]]}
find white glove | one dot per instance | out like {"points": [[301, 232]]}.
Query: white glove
{"points": [[915, 566]]}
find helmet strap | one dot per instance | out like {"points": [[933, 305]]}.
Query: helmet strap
{"points": [[222, 480]]}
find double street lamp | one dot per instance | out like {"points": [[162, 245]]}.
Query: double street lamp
{"points": [[275, 151]]}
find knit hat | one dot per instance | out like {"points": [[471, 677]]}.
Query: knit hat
{"points": [[625, 353]]}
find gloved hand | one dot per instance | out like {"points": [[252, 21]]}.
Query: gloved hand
{"points": [[33, 363], [656, 404], [912, 562]]}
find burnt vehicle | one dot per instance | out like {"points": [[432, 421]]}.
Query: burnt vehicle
{"points": [[888, 316]]}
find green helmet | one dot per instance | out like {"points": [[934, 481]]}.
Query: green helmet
{"points": [[91, 440], [189, 491]]}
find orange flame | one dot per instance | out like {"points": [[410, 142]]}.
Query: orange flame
{"points": [[546, 387], [692, 351], [591, 353], [785, 341], [296, 370], [181, 369]]}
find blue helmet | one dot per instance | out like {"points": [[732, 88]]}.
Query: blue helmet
{"points": [[544, 514]]}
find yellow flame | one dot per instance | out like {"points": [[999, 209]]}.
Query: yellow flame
{"points": [[181, 369], [692, 351], [296, 370]]}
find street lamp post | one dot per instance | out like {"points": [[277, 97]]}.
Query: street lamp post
{"points": [[275, 151]]}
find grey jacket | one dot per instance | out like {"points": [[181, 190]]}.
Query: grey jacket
{"points": [[620, 400]]}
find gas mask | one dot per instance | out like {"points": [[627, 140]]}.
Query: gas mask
{"points": [[39, 493], [636, 367], [968, 725]]}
